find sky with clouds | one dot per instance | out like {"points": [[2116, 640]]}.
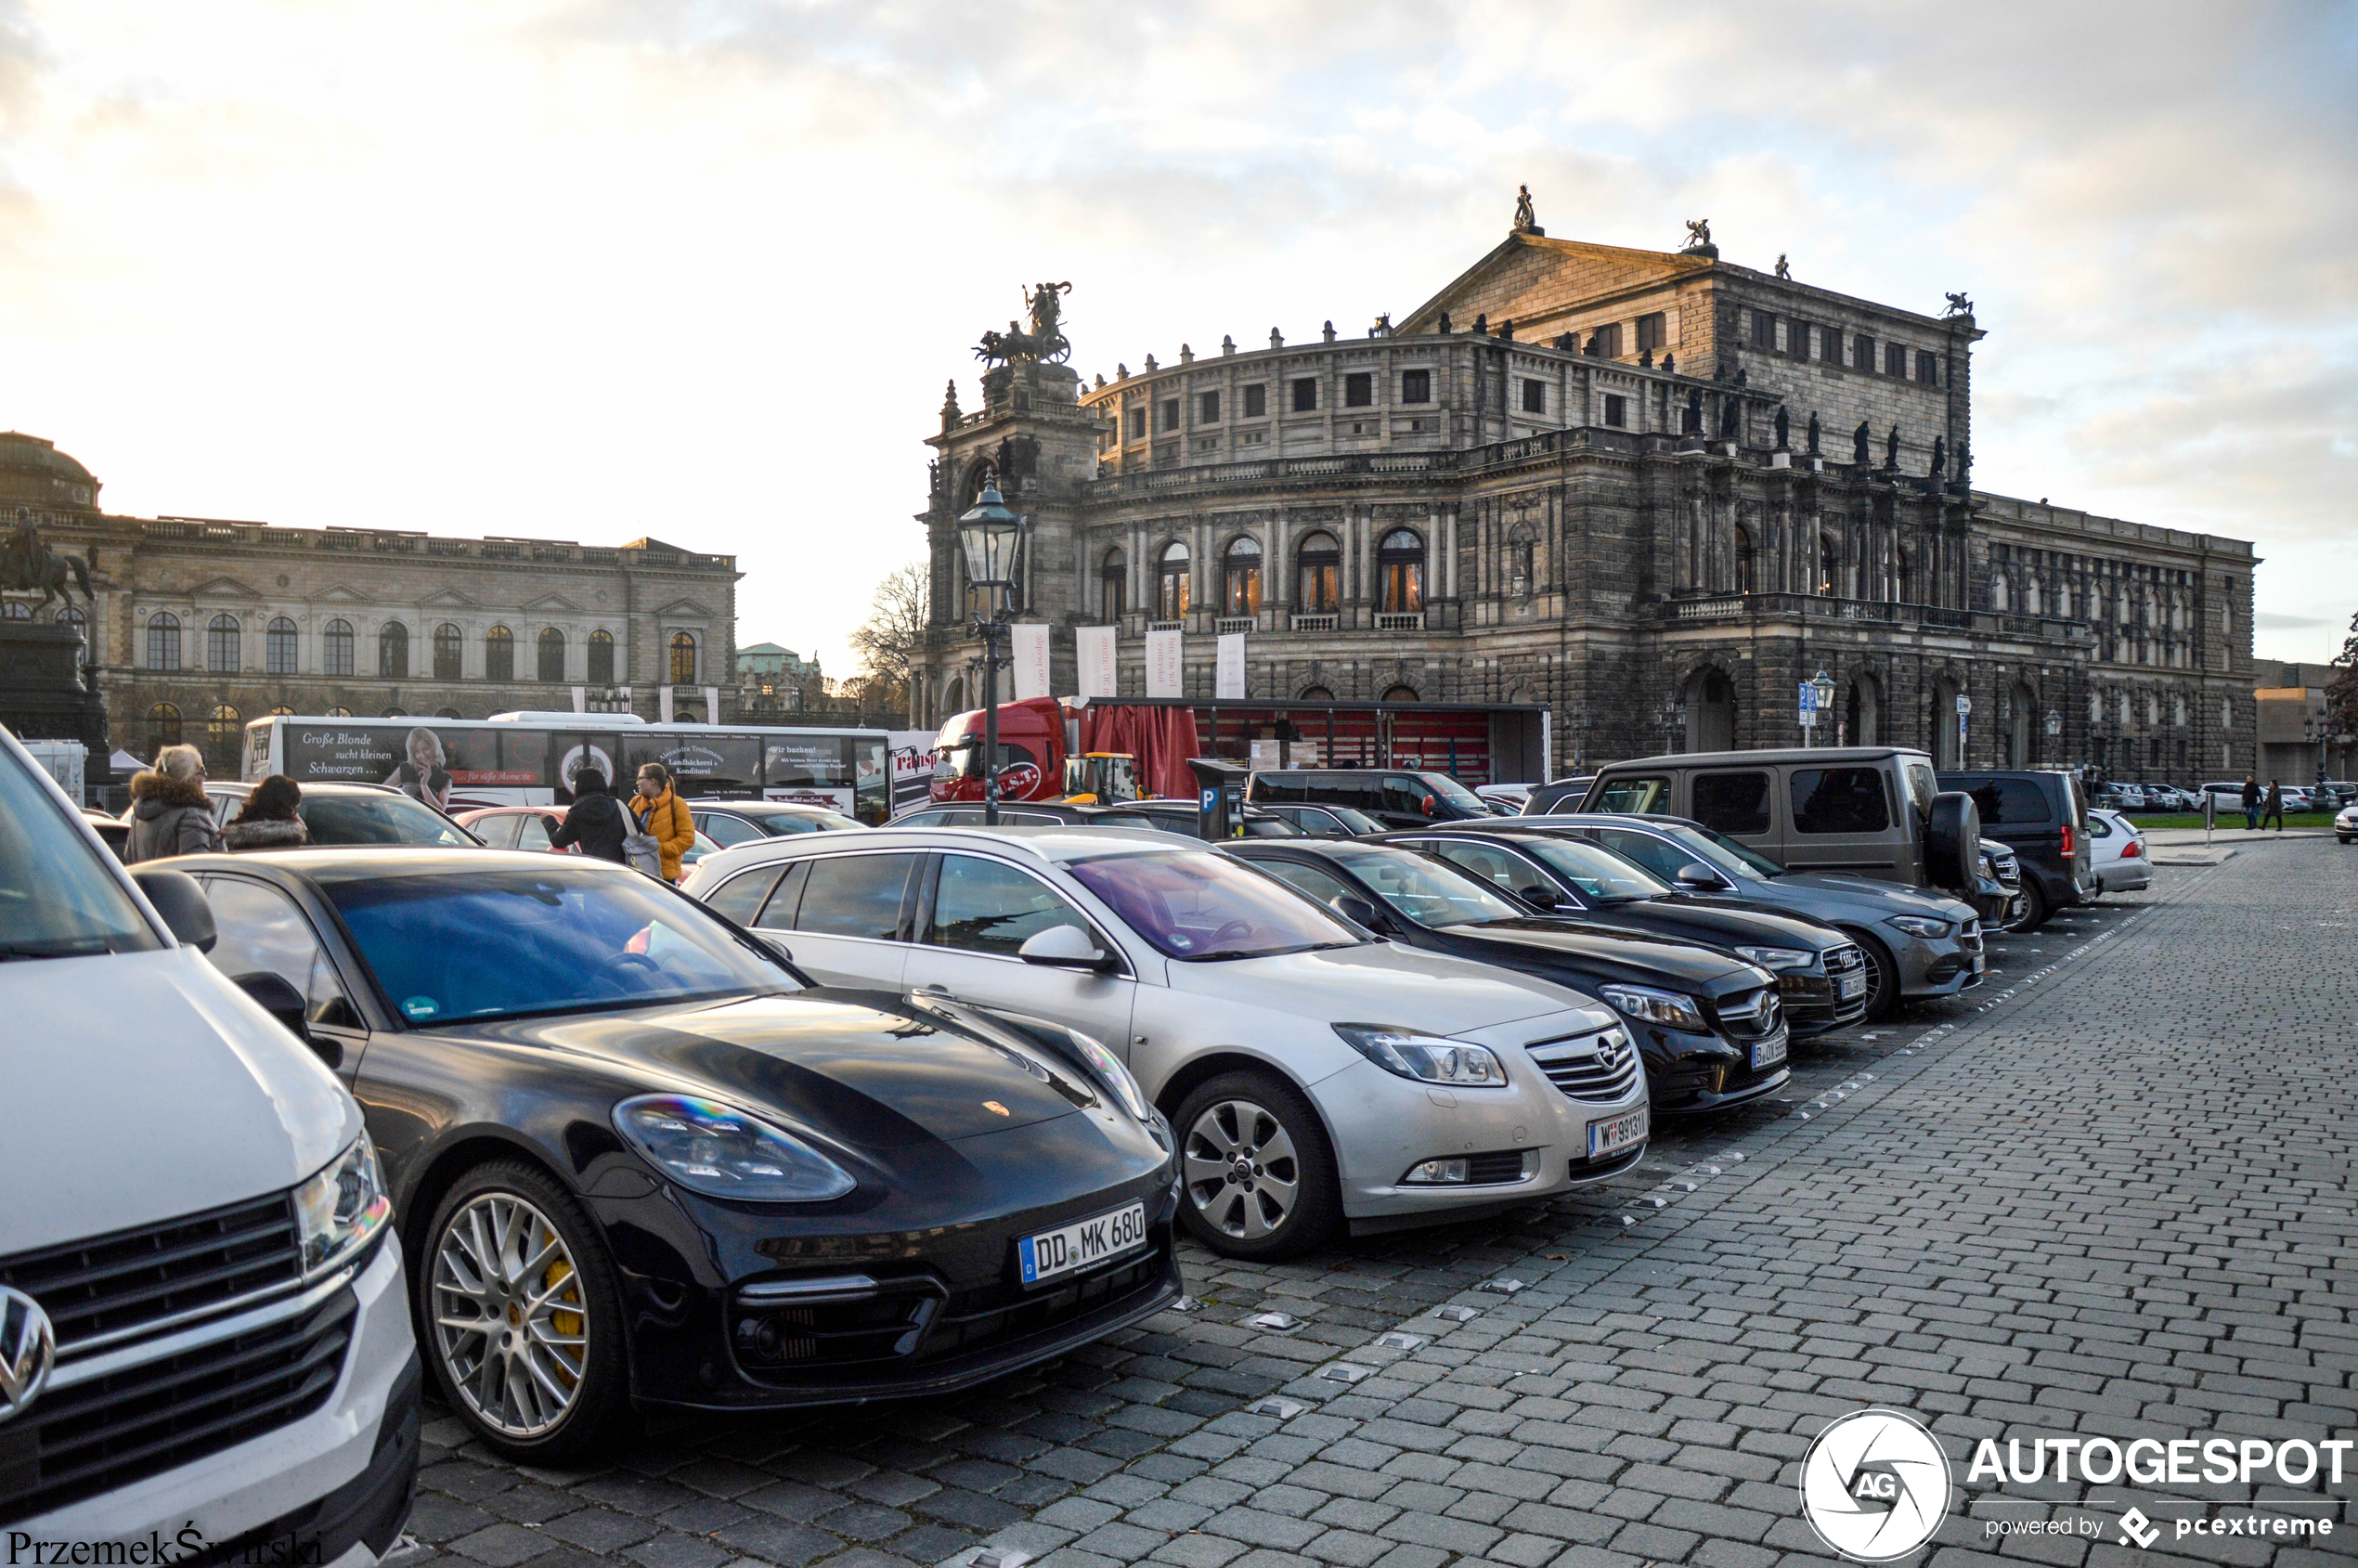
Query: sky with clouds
{"points": [[699, 268]]}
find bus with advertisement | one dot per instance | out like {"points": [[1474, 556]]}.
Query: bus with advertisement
{"points": [[530, 758]]}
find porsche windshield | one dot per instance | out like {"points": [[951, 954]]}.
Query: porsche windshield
{"points": [[492, 943]]}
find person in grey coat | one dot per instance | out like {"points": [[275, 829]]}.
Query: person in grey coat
{"points": [[171, 814]]}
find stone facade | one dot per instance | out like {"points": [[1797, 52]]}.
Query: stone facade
{"points": [[202, 624], [1561, 481]]}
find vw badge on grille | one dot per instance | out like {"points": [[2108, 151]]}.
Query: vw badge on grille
{"points": [[28, 1346]]}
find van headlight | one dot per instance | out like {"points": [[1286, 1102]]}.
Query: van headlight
{"points": [[1777, 957], [722, 1152], [1649, 1005], [341, 1209], [1425, 1057]]}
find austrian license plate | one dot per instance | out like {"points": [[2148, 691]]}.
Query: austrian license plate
{"points": [[1082, 1243], [1621, 1132], [1769, 1052], [1853, 986]]}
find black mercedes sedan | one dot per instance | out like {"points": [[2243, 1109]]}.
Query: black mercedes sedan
{"points": [[1708, 1026], [640, 1159], [1822, 974]]}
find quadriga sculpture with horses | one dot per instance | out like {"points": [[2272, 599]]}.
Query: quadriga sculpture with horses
{"points": [[1045, 344], [29, 565]]}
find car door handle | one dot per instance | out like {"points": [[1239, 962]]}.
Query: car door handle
{"points": [[935, 990]]}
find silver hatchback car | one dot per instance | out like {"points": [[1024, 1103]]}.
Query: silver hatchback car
{"points": [[1315, 1076]]}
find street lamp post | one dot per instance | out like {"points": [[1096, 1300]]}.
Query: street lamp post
{"points": [[991, 537], [1822, 685]]}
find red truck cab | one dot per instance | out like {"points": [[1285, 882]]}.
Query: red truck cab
{"points": [[1032, 753]]}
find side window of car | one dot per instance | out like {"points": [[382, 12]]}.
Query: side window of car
{"points": [[532, 831], [984, 906], [262, 932], [1733, 802], [1406, 794], [1633, 796], [741, 895], [1664, 861], [500, 833], [1501, 868], [728, 831], [1839, 800], [2097, 826], [1322, 887], [854, 896]]}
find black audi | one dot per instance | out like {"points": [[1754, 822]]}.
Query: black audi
{"points": [[640, 1159], [1822, 974], [1709, 1024]]}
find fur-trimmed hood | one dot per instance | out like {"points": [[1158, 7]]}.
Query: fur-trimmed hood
{"points": [[265, 833], [152, 794]]}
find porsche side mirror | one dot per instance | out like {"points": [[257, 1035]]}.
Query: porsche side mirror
{"points": [[1065, 947], [182, 903]]}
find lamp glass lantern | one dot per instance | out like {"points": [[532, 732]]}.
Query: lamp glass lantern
{"points": [[990, 535], [1823, 684]]}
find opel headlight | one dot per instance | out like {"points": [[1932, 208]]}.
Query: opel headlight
{"points": [[1426, 1058], [1117, 1077], [1649, 1005], [1778, 957], [1919, 925], [340, 1208], [722, 1152]]}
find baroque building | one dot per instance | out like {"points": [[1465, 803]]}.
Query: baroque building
{"points": [[1653, 491], [200, 623]]}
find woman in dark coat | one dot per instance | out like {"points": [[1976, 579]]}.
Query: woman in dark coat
{"points": [[269, 821], [171, 814], [595, 820]]}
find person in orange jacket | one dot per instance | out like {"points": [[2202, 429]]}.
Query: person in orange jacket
{"points": [[663, 814]]}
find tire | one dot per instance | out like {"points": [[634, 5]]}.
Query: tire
{"points": [[1262, 1119], [1883, 978], [2035, 907], [581, 1398]]}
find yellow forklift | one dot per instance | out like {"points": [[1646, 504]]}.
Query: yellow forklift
{"points": [[1100, 777]]}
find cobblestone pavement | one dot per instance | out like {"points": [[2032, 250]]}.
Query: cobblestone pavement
{"points": [[2109, 1194]]}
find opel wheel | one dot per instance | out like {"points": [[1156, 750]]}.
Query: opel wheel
{"points": [[521, 1316], [1259, 1171]]}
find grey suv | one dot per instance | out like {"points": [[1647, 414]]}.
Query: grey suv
{"points": [[1919, 942]]}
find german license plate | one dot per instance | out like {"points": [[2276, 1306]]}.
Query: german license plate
{"points": [[1621, 1132], [1769, 1052], [1853, 986], [1981, 964], [1082, 1243]]}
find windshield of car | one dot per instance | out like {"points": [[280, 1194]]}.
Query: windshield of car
{"points": [[1726, 853], [777, 824], [58, 898], [1599, 873], [1203, 906], [1458, 795], [373, 818], [1428, 891], [1353, 819], [449, 946]]}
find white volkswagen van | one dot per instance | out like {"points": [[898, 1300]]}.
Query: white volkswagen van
{"points": [[204, 1341]]}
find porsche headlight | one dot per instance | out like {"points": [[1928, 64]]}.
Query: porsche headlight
{"points": [[1649, 1005], [340, 1208], [1116, 1076], [722, 1152], [1426, 1058]]}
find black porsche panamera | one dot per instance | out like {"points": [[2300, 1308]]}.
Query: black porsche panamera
{"points": [[639, 1159]]}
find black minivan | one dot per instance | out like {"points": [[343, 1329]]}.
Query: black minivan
{"points": [[1395, 796], [2041, 815]]}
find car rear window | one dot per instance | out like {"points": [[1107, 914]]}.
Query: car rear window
{"points": [[1840, 800], [1732, 802], [2006, 802]]}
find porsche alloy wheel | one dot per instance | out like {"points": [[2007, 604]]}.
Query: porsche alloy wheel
{"points": [[509, 1318]]}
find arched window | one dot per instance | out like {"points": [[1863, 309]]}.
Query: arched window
{"points": [[335, 649], [1240, 578], [1318, 572], [1400, 571], [279, 642], [1113, 586], [550, 655], [602, 657], [338, 712], [448, 642], [221, 644], [72, 615], [683, 658], [163, 726], [1747, 564], [498, 654], [1907, 579], [397, 713], [15, 610], [2030, 597], [282, 711], [164, 643], [1710, 701], [393, 652], [1521, 576], [224, 726], [1172, 590], [1400, 694], [1998, 597], [446, 713], [1317, 694], [1827, 562]]}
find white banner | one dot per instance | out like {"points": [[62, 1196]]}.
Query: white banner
{"points": [[1029, 645], [1166, 675], [663, 695], [1230, 685], [581, 699], [1100, 674], [712, 704]]}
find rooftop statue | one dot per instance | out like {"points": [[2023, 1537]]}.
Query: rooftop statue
{"points": [[1525, 218], [1045, 344], [1784, 268], [1959, 305], [1698, 232]]}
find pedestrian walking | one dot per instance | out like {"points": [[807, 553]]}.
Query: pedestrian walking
{"points": [[2275, 807], [662, 816], [595, 820], [171, 814], [2251, 803], [270, 818]]}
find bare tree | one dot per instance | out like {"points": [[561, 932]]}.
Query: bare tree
{"points": [[887, 641], [2342, 692]]}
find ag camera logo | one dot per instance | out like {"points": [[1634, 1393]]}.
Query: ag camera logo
{"points": [[1874, 1486]]}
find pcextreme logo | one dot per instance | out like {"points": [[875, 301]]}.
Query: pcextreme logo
{"points": [[1874, 1486]]}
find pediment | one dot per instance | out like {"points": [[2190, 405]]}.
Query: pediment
{"points": [[341, 594], [684, 607], [550, 603], [448, 598], [224, 588], [1505, 285]]}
